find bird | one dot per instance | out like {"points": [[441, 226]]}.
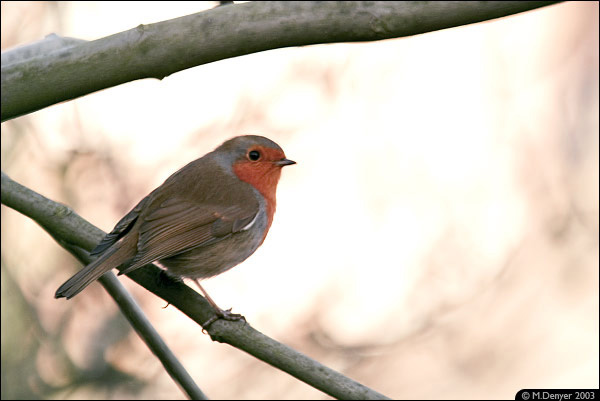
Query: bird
{"points": [[206, 218]]}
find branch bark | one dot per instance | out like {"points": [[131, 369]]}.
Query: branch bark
{"points": [[160, 49], [76, 234]]}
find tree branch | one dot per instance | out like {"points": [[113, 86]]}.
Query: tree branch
{"points": [[160, 49], [77, 235], [74, 233]]}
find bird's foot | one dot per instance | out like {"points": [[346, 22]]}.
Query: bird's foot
{"points": [[222, 314]]}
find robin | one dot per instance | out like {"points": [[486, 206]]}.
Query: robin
{"points": [[203, 220]]}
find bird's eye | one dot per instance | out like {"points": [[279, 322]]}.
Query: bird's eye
{"points": [[254, 155]]}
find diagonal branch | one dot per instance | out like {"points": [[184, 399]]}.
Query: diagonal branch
{"points": [[74, 233], [49, 215], [160, 49]]}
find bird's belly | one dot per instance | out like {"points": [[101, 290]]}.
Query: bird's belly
{"points": [[210, 260]]}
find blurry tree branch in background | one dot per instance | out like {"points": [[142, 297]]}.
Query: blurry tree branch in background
{"points": [[160, 49], [76, 234]]}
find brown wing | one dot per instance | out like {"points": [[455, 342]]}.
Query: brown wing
{"points": [[121, 228], [178, 225]]}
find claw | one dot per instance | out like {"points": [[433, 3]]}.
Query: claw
{"points": [[210, 321], [222, 314], [219, 313]]}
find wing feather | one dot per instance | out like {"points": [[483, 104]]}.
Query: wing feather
{"points": [[179, 225], [120, 230]]}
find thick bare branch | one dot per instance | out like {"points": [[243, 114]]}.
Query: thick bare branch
{"points": [[158, 50], [74, 234]]}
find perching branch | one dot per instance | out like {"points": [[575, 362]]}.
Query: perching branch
{"points": [[76, 234], [160, 49]]}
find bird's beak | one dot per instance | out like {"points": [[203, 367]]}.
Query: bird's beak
{"points": [[284, 162]]}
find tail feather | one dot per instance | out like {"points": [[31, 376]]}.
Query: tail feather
{"points": [[110, 259]]}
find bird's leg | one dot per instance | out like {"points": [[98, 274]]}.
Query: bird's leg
{"points": [[220, 313]]}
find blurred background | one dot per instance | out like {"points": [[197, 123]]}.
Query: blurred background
{"points": [[438, 237]]}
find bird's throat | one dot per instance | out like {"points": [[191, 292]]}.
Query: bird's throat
{"points": [[264, 177]]}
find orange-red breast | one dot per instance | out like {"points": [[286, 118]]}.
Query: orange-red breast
{"points": [[204, 219]]}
